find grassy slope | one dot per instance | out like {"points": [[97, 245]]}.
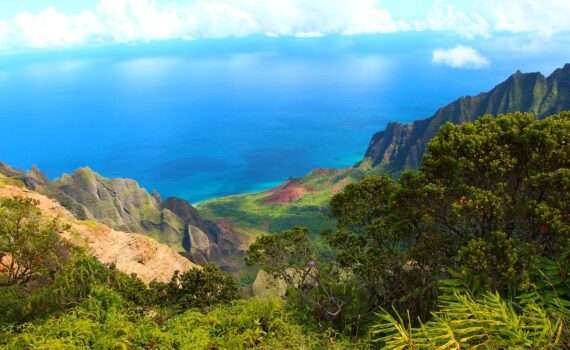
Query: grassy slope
{"points": [[251, 217]]}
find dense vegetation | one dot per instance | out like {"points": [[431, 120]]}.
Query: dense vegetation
{"points": [[476, 239], [54, 296], [469, 251]]}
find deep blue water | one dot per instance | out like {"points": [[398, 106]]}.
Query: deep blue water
{"points": [[211, 118]]}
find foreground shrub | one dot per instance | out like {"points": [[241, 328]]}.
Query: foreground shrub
{"points": [[196, 288], [104, 321]]}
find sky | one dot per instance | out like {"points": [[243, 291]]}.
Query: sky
{"points": [[48, 24]]}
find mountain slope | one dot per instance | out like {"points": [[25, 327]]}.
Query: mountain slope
{"points": [[402, 146], [129, 252], [125, 206]]}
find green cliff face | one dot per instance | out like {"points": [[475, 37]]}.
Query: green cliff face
{"points": [[125, 206], [401, 146], [119, 203]]}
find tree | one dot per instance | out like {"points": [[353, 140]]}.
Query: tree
{"points": [[372, 242], [288, 255], [29, 245], [501, 192], [317, 284], [489, 199], [196, 288]]}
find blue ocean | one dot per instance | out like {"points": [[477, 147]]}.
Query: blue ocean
{"points": [[203, 119]]}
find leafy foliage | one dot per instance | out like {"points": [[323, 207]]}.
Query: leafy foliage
{"points": [[288, 255], [487, 322], [104, 321], [489, 198], [29, 247], [196, 288], [487, 206]]}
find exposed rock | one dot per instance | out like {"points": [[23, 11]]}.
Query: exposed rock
{"points": [[190, 216], [35, 179], [124, 205], [130, 252], [197, 244], [401, 146], [119, 203], [266, 285], [184, 211]]}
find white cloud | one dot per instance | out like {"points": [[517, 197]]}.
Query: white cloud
{"points": [[460, 57], [147, 20], [308, 35], [51, 28], [364, 17], [544, 17], [129, 20], [445, 17]]}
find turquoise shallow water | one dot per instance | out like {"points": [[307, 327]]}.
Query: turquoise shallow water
{"points": [[212, 118]]}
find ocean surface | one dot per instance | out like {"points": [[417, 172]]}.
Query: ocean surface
{"points": [[203, 119]]}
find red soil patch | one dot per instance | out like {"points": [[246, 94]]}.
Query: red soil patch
{"points": [[288, 192]]}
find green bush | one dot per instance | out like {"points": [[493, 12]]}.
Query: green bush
{"points": [[196, 288], [103, 321]]}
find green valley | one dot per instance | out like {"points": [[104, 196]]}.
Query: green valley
{"points": [[297, 202]]}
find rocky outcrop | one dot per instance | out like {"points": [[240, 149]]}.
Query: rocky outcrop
{"points": [[129, 252], [401, 146], [190, 216], [265, 285], [33, 179], [8, 171], [119, 203], [124, 205], [202, 238]]}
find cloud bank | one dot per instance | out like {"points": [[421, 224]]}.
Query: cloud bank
{"points": [[460, 57], [146, 20], [119, 21], [544, 17]]}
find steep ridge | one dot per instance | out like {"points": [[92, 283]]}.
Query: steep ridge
{"points": [[402, 146], [129, 252], [203, 239], [125, 206]]}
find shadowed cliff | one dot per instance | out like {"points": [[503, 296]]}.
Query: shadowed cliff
{"points": [[401, 146]]}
